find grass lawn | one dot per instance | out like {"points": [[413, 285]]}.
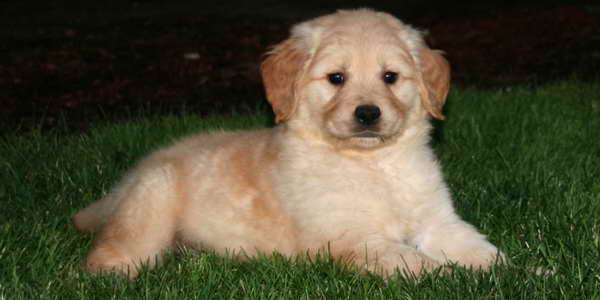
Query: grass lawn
{"points": [[523, 165]]}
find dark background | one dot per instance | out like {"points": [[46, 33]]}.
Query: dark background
{"points": [[74, 62]]}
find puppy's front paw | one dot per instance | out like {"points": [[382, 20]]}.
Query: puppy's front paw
{"points": [[402, 259], [482, 258]]}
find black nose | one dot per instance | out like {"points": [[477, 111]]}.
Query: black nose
{"points": [[367, 114]]}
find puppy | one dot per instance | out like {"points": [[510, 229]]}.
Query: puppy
{"points": [[348, 169]]}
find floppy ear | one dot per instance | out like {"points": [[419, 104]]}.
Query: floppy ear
{"points": [[435, 83], [280, 72]]}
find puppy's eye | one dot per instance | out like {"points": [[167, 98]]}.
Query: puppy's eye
{"points": [[336, 78], [390, 77]]}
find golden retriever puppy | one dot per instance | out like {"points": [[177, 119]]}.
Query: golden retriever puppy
{"points": [[347, 170]]}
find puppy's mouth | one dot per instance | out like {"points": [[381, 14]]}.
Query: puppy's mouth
{"points": [[367, 134], [359, 136], [364, 138], [367, 139]]}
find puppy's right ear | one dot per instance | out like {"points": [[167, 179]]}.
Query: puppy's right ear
{"points": [[280, 72]]}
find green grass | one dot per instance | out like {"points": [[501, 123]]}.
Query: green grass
{"points": [[523, 165]]}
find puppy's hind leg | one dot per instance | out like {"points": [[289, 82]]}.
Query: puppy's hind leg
{"points": [[142, 225]]}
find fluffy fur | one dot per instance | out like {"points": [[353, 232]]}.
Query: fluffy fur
{"points": [[327, 177]]}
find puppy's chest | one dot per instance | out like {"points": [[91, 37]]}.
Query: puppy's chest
{"points": [[346, 188]]}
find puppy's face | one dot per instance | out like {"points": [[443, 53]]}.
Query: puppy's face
{"points": [[361, 85], [355, 78]]}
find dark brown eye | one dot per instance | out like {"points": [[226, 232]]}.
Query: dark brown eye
{"points": [[390, 77], [336, 78]]}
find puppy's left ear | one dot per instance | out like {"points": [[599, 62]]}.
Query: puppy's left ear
{"points": [[280, 72], [435, 83]]}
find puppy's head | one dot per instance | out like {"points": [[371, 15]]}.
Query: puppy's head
{"points": [[355, 78]]}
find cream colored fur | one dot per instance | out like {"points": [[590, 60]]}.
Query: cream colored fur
{"points": [[317, 181]]}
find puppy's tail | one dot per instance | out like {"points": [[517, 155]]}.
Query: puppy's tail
{"points": [[91, 218]]}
